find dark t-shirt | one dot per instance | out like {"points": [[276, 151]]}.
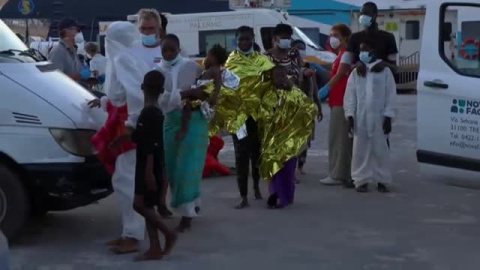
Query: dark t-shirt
{"points": [[384, 42], [148, 136]]}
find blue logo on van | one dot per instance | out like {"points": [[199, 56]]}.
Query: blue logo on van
{"points": [[469, 107]]}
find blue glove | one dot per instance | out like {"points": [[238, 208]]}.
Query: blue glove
{"points": [[323, 92], [101, 79], [85, 73], [318, 67]]}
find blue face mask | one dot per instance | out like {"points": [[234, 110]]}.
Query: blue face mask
{"points": [[365, 57], [172, 62], [365, 21], [149, 40], [250, 51], [284, 43]]}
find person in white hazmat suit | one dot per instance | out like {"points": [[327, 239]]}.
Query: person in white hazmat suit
{"points": [[369, 107], [124, 76]]}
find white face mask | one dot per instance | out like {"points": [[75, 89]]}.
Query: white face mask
{"points": [[334, 42], [365, 21], [173, 62], [284, 43], [79, 38]]}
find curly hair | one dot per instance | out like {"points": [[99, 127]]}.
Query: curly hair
{"points": [[219, 53]]}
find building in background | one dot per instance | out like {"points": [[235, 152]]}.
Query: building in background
{"points": [[90, 12]]}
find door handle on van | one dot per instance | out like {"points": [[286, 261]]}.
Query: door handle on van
{"points": [[436, 84]]}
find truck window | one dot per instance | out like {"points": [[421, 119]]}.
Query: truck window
{"points": [[225, 38], [412, 30], [463, 51]]}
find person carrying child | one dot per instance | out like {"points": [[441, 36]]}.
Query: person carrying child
{"points": [[370, 107]]}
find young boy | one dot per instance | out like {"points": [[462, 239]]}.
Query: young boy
{"points": [[216, 58], [150, 167], [369, 107]]}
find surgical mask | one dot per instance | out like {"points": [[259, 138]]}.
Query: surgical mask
{"points": [[79, 38], [334, 42], [303, 54], [365, 57], [172, 62], [365, 21], [149, 40], [284, 43], [250, 51]]}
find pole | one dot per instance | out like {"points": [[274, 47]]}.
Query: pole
{"points": [[27, 32]]}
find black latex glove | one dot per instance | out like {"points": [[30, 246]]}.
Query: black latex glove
{"points": [[387, 125], [351, 125]]}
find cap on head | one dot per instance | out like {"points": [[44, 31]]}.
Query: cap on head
{"points": [[66, 23]]}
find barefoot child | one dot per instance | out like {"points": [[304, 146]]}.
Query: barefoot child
{"points": [[216, 58], [369, 108], [150, 167]]}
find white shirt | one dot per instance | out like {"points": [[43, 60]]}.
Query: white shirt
{"points": [[152, 56], [178, 78], [99, 64], [370, 99]]}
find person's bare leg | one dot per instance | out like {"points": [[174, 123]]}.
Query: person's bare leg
{"points": [[162, 208], [184, 225], [154, 253], [155, 221]]}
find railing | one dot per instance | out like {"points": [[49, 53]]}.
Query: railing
{"points": [[408, 72]]}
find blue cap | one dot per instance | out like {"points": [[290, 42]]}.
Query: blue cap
{"points": [[68, 23]]}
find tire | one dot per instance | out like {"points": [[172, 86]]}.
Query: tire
{"points": [[14, 203]]}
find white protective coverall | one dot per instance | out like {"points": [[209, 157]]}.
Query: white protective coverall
{"points": [[124, 77], [369, 100]]}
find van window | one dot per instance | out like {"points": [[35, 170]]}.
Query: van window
{"points": [[267, 37], [412, 30], [225, 38], [465, 49]]}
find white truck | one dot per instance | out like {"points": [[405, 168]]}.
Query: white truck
{"points": [[449, 91], [47, 161], [200, 31]]}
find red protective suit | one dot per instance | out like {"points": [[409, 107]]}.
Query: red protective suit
{"points": [[114, 126], [212, 165]]}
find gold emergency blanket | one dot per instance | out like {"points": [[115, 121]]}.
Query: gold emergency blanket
{"points": [[285, 118], [284, 128]]}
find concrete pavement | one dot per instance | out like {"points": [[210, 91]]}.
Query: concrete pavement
{"points": [[423, 224]]}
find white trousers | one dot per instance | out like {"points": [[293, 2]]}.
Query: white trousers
{"points": [[123, 181], [371, 159]]}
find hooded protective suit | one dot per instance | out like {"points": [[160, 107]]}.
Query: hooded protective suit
{"points": [[369, 100], [124, 77]]}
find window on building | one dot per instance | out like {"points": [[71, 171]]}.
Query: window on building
{"points": [[447, 31], [412, 30], [225, 38]]}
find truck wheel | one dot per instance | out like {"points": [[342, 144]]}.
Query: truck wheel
{"points": [[14, 203]]}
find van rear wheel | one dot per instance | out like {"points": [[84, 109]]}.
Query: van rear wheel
{"points": [[14, 202]]}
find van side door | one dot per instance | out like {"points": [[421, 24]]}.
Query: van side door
{"points": [[449, 89]]}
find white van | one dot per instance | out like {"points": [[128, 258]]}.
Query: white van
{"points": [[449, 91], [47, 161], [200, 31]]}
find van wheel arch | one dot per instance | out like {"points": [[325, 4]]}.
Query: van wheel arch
{"points": [[14, 196]]}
